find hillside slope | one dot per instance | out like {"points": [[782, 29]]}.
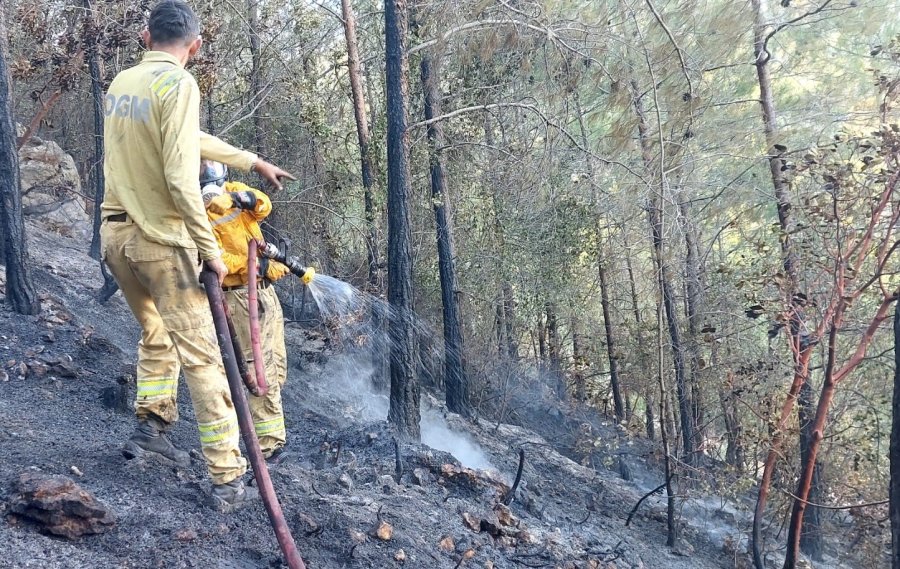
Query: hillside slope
{"points": [[56, 415]]}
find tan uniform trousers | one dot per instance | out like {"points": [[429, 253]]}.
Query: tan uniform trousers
{"points": [[268, 416], [162, 288]]}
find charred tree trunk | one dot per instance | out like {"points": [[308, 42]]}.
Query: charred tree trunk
{"points": [[649, 419], [734, 451], [614, 382], [507, 334], [655, 217], [20, 291], [664, 411], [509, 322], [694, 300], [894, 490], [355, 71], [259, 129], [362, 134], [542, 340], [404, 399], [96, 176], [579, 362], [455, 381], [554, 352], [611, 345]]}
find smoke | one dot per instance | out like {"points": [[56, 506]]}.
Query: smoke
{"points": [[436, 433], [345, 381]]}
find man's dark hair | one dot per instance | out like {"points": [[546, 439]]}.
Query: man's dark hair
{"points": [[172, 22]]}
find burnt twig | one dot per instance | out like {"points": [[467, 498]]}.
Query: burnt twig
{"points": [[398, 462], [508, 498], [644, 497]]}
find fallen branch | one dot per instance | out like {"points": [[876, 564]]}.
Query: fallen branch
{"points": [[510, 496], [644, 497]]}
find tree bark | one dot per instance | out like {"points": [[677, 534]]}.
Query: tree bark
{"points": [[610, 344], [259, 130], [456, 384], [354, 68], [96, 176], [694, 300], [894, 490], [554, 352], [509, 321], [363, 136], [734, 451], [811, 538], [655, 217], [618, 405], [783, 204], [649, 419], [20, 291], [404, 399]]}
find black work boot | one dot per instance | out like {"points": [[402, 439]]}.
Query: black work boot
{"points": [[279, 456], [233, 495], [148, 438]]}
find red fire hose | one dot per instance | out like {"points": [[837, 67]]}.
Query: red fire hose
{"points": [[249, 380], [245, 421], [259, 365]]}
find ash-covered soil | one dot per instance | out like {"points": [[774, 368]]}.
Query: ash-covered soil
{"points": [[67, 375]]}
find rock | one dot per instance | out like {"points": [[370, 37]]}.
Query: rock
{"points": [[471, 521], [683, 549], [400, 556], [421, 476], [504, 516], [59, 505], [116, 397], [50, 189], [65, 369], [48, 337], [36, 369], [447, 544], [186, 535], [345, 481], [384, 531], [77, 471]]}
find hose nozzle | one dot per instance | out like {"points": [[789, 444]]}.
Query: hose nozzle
{"points": [[293, 264]]}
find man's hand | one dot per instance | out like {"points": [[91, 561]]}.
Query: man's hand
{"points": [[271, 173], [217, 266]]}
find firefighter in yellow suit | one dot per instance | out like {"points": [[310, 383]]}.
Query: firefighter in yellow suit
{"points": [[235, 210], [155, 234]]}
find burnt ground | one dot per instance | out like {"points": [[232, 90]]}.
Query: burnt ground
{"points": [[64, 375]]}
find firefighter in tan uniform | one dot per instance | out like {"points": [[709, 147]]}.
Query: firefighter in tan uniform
{"points": [[235, 210], [154, 235]]}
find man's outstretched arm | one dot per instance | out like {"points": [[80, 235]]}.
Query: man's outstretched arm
{"points": [[214, 148]]}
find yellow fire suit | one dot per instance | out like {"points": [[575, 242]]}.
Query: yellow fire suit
{"points": [[154, 234], [234, 229]]}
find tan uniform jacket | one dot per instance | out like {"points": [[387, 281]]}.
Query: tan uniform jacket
{"points": [[152, 156]]}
